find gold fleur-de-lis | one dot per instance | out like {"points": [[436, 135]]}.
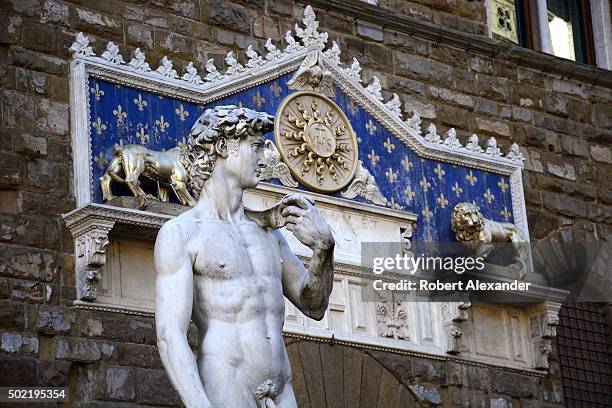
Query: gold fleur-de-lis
{"points": [[471, 178], [371, 127], [506, 214], [503, 185], [97, 92], [440, 172], [391, 203], [162, 124], [142, 135], [276, 89], [119, 113], [457, 190], [181, 112], [409, 193], [489, 196], [258, 100], [141, 103], [352, 107], [425, 184], [101, 161], [99, 126], [407, 163], [389, 145], [442, 201], [427, 213], [391, 175], [374, 158]]}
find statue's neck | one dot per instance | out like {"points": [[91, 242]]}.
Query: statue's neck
{"points": [[221, 198]]}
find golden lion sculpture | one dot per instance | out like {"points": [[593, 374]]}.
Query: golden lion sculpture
{"points": [[132, 161], [471, 227]]}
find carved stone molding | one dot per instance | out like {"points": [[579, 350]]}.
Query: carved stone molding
{"points": [[543, 322], [454, 316]]}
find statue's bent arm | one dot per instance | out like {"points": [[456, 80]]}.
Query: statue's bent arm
{"points": [[173, 307], [308, 289]]}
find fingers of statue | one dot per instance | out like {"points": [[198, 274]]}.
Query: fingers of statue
{"points": [[292, 219], [298, 200], [293, 210]]}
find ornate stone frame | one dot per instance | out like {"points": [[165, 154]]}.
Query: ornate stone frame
{"points": [[91, 223]]}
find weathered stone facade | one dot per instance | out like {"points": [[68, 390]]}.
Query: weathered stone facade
{"points": [[560, 114]]}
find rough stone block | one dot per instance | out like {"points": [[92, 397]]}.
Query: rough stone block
{"points": [[120, 384], [53, 320], [492, 88], [565, 205], [427, 394], [18, 110], [54, 12], [27, 263], [492, 125], [601, 154], [80, 350], [49, 176], [155, 388], [27, 291], [565, 170], [140, 36], [18, 372], [52, 117], [138, 355], [91, 382], [98, 23], [369, 31], [53, 373], [452, 97], [37, 61], [18, 343], [228, 15]]}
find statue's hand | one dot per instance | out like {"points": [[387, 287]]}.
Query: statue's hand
{"points": [[306, 222]]}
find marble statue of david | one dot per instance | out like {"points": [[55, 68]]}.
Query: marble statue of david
{"points": [[229, 272]]}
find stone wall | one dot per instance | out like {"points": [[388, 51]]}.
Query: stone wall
{"points": [[563, 125]]}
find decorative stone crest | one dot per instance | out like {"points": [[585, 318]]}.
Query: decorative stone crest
{"points": [[316, 140]]}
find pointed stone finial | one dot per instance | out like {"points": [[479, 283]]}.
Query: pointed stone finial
{"points": [[310, 36], [333, 53], [395, 106], [213, 73], [451, 139], [473, 144], [138, 61], [374, 88], [81, 46], [165, 69], [191, 75], [354, 71], [432, 135], [112, 54]]}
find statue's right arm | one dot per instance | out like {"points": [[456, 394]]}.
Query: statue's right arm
{"points": [[173, 306]]}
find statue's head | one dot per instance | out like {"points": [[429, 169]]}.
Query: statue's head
{"points": [[231, 133], [467, 221]]}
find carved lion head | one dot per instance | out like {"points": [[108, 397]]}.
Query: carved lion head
{"points": [[467, 222]]}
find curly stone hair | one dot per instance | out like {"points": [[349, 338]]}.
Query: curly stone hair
{"points": [[200, 151]]}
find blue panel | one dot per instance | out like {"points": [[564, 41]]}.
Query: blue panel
{"points": [[426, 187]]}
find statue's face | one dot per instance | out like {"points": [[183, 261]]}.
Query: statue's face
{"points": [[245, 159]]}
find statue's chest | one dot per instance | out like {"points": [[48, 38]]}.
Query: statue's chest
{"points": [[238, 251]]}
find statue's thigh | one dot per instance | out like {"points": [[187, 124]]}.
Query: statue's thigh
{"points": [[224, 388], [287, 398]]}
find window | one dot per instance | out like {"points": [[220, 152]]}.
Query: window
{"points": [[560, 27]]}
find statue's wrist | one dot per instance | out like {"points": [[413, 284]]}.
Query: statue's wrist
{"points": [[324, 244]]}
